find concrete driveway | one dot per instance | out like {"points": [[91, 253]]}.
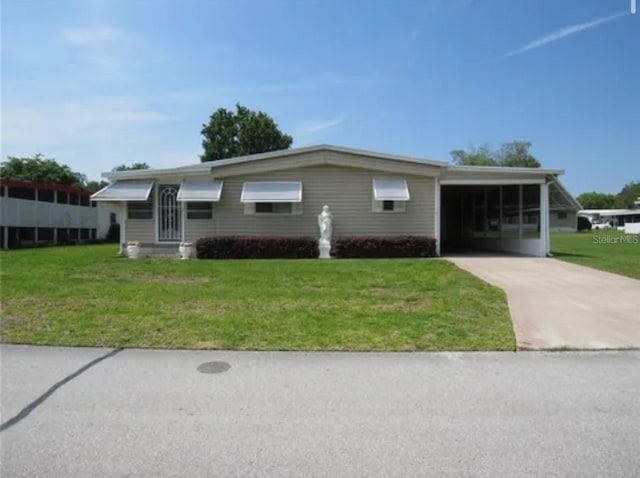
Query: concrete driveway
{"points": [[556, 304]]}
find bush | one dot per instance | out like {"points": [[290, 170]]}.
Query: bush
{"points": [[584, 224], [243, 247], [399, 246]]}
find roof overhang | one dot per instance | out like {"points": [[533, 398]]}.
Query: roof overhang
{"points": [[212, 166], [560, 198]]}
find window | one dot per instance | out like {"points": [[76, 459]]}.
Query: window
{"points": [[273, 208], [112, 218], [140, 210], [389, 206], [45, 195], [199, 210], [390, 195], [22, 193]]}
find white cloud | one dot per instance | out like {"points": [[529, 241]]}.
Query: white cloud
{"points": [[93, 35], [563, 33], [108, 52], [313, 131], [74, 121], [317, 126]]}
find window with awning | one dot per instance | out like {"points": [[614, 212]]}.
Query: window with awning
{"points": [[272, 197], [390, 190], [124, 191], [390, 195], [271, 191], [200, 191]]}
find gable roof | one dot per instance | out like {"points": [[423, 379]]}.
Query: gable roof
{"points": [[447, 168], [200, 168]]}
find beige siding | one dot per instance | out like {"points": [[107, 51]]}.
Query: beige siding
{"points": [[198, 228], [140, 230], [349, 193]]}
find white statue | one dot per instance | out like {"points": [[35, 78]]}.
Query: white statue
{"points": [[325, 223]]}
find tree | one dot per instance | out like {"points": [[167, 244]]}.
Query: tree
{"points": [[516, 154], [94, 186], [37, 168], [482, 156], [629, 196], [596, 200], [134, 166], [230, 134], [513, 154]]}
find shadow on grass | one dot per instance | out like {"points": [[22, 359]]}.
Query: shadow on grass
{"points": [[568, 254]]}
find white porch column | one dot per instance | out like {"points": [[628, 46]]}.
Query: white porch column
{"points": [[544, 219], [520, 216], [437, 217]]}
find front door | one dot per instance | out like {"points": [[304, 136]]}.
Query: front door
{"points": [[169, 213]]}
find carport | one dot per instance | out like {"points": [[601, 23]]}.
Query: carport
{"points": [[498, 209]]}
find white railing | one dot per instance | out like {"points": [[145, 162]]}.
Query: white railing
{"points": [[27, 213]]}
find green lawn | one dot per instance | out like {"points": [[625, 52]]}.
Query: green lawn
{"points": [[608, 250], [85, 295]]}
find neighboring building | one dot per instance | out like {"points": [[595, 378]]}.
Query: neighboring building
{"points": [[43, 213], [563, 209], [108, 214], [281, 193], [615, 218]]}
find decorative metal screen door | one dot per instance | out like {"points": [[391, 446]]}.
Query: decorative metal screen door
{"points": [[169, 213]]}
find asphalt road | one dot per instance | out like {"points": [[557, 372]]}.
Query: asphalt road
{"points": [[88, 413]]}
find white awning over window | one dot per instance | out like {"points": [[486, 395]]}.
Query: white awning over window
{"points": [[124, 191], [200, 191], [390, 190], [272, 191]]}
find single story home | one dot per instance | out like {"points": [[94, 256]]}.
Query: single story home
{"points": [[281, 193]]}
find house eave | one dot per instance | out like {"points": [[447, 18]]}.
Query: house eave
{"points": [[505, 170], [200, 168]]}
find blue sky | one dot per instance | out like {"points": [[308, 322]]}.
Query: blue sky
{"points": [[99, 83]]}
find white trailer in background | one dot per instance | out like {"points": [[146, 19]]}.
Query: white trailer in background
{"points": [[627, 220]]}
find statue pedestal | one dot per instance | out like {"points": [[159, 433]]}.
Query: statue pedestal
{"points": [[325, 249]]}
